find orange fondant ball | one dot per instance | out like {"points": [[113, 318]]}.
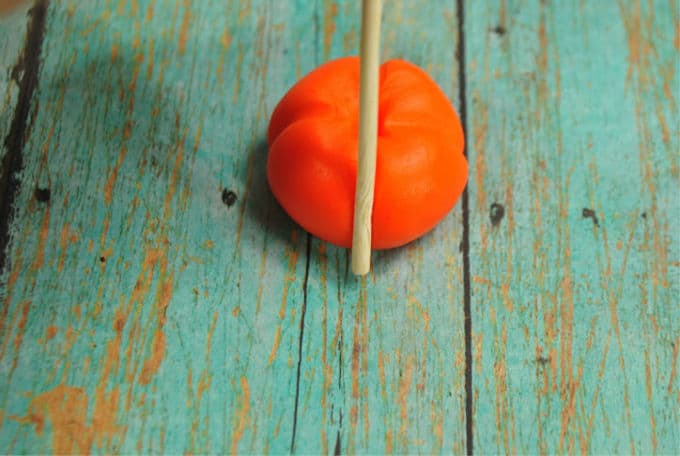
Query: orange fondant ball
{"points": [[313, 138]]}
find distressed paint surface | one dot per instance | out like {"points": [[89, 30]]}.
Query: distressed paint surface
{"points": [[147, 309], [12, 31], [382, 365], [142, 313], [574, 136], [133, 318]]}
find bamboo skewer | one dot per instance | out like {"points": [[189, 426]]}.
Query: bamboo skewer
{"points": [[368, 135]]}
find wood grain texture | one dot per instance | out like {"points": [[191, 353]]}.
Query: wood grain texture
{"points": [[141, 312], [13, 28], [160, 301], [382, 365], [574, 142], [21, 86]]}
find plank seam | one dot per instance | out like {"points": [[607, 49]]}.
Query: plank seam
{"points": [[465, 243], [306, 278], [28, 67], [300, 340]]}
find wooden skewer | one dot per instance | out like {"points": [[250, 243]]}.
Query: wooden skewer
{"points": [[368, 135]]}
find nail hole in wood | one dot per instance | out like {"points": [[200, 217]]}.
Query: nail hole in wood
{"points": [[499, 30], [496, 213], [42, 194], [228, 197], [589, 213]]}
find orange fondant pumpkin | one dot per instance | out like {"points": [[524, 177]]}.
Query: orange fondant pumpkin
{"points": [[313, 139]]}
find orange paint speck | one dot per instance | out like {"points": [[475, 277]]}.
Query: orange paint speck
{"points": [[37, 420], [225, 39], [65, 407], [44, 231], [330, 12], [275, 347], [149, 12], [22, 324], [50, 332], [241, 420], [152, 364], [184, 31], [64, 239], [14, 275], [108, 188]]}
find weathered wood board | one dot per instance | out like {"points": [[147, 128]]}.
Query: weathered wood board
{"points": [[19, 59], [574, 140], [155, 298], [142, 313], [12, 34], [382, 365]]}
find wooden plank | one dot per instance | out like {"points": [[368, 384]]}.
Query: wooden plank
{"points": [[382, 365], [144, 309], [133, 150], [574, 225], [13, 28]]}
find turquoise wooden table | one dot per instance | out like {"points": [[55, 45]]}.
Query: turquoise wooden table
{"points": [[156, 299]]}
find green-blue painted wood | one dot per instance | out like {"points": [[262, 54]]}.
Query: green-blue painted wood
{"points": [[141, 312], [383, 359], [12, 31], [145, 315], [574, 131]]}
